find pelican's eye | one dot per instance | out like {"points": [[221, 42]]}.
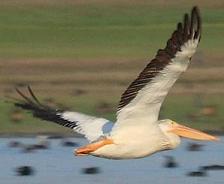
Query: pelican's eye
{"points": [[173, 123]]}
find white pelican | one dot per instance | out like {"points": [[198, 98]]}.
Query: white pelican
{"points": [[137, 131]]}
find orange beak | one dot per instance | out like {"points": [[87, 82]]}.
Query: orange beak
{"points": [[191, 133]]}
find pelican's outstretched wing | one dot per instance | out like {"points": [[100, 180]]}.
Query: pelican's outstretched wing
{"points": [[144, 96], [91, 127]]}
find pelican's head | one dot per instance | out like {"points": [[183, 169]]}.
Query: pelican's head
{"points": [[174, 131]]}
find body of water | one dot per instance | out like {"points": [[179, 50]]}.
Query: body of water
{"points": [[58, 165]]}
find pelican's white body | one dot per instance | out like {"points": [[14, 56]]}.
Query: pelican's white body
{"points": [[131, 142]]}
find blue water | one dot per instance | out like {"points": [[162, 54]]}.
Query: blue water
{"points": [[57, 165]]}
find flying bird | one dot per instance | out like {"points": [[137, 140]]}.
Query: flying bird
{"points": [[137, 131]]}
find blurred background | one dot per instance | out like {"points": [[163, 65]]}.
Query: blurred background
{"points": [[81, 55]]}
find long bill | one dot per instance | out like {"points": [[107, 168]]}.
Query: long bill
{"points": [[191, 133]]}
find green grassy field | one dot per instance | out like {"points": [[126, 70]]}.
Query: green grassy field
{"points": [[83, 55], [88, 31]]}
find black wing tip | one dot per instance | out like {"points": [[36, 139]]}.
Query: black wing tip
{"points": [[196, 18], [28, 103], [195, 10], [31, 101], [189, 28], [33, 98], [186, 16], [33, 95], [179, 27], [44, 112], [186, 20], [27, 100], [195, 23]]}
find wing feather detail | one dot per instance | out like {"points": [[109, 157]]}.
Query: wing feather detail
{"points": [[41, 111], [89, 126], [154, 82]]}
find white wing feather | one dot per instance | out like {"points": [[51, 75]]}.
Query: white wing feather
{"points": [[89, 126]]}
